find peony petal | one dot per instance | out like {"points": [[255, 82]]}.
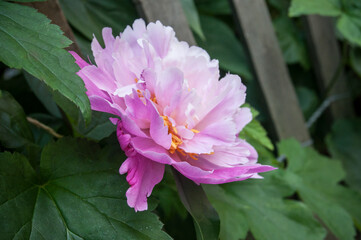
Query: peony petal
{"points": [[160, 37], [99, 78], [242, 117], [225, 175], [149, 149], [100, 104], [142, 175]]}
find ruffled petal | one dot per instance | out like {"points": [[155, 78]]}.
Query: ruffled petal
{"points": [[142, 175], [160, 37]]}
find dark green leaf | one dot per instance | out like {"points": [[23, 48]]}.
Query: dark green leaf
{"points": [[355, 59], [90, 16], [43, 93], [258, 206], [14, 128], [224, 46], [206, 220], [79, 194], [100, 127], [219, 7], [171, 210], [316, 179], [344, 143], [29, 0], [30, 42], [280, 5], [308, 100], [291, 42], [42, 137]]}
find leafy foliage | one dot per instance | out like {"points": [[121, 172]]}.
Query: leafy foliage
{"points": [[291, 41], [316, 177], [344, 143], [254, 132], [205, 218], [72, 173], [71, 189], [29, 41], [259, 206], [348, 13], [14, 128], [90, 16]]}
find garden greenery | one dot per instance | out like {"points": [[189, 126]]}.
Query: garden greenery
{"points": [[59, 160]]}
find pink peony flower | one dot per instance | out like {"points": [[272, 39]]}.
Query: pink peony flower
{"points": [[172, 109]]}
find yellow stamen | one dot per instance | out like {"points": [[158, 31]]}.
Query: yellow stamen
{"points": [[176, 140], [193, 156], [194, 130], [154, 99]]}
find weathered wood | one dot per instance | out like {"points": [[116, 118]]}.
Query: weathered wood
{"points": [[169, 12], [325, 54], [270, 68], [52, 10]]}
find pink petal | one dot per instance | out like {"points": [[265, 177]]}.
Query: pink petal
{"points": [[142, 175], [242, 117], [160, 37]]}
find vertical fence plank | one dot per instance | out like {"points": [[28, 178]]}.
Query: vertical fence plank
{"points": [[255, 23], [169, 12], [326, 58]]}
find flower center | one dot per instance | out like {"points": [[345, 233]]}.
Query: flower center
{"points": [[176, 140]]}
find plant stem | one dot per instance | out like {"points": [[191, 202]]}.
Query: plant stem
{"points": [[43, 126]]}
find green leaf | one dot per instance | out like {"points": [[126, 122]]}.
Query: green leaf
{"points": [[280, 5], [100, 127], [350, 27], [349, 13], [259, 206], [344, 143], [90, 16], [219, 7], [29, 0], [321, 7], [43, 93], [191, 13], [194, 199], [308, 100], [171, 210], [30, 42], [254, 131], [224, 46], [42, 137], [14, 128], [355, 60], [316, 178], [78, 194], [291, 42]]}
